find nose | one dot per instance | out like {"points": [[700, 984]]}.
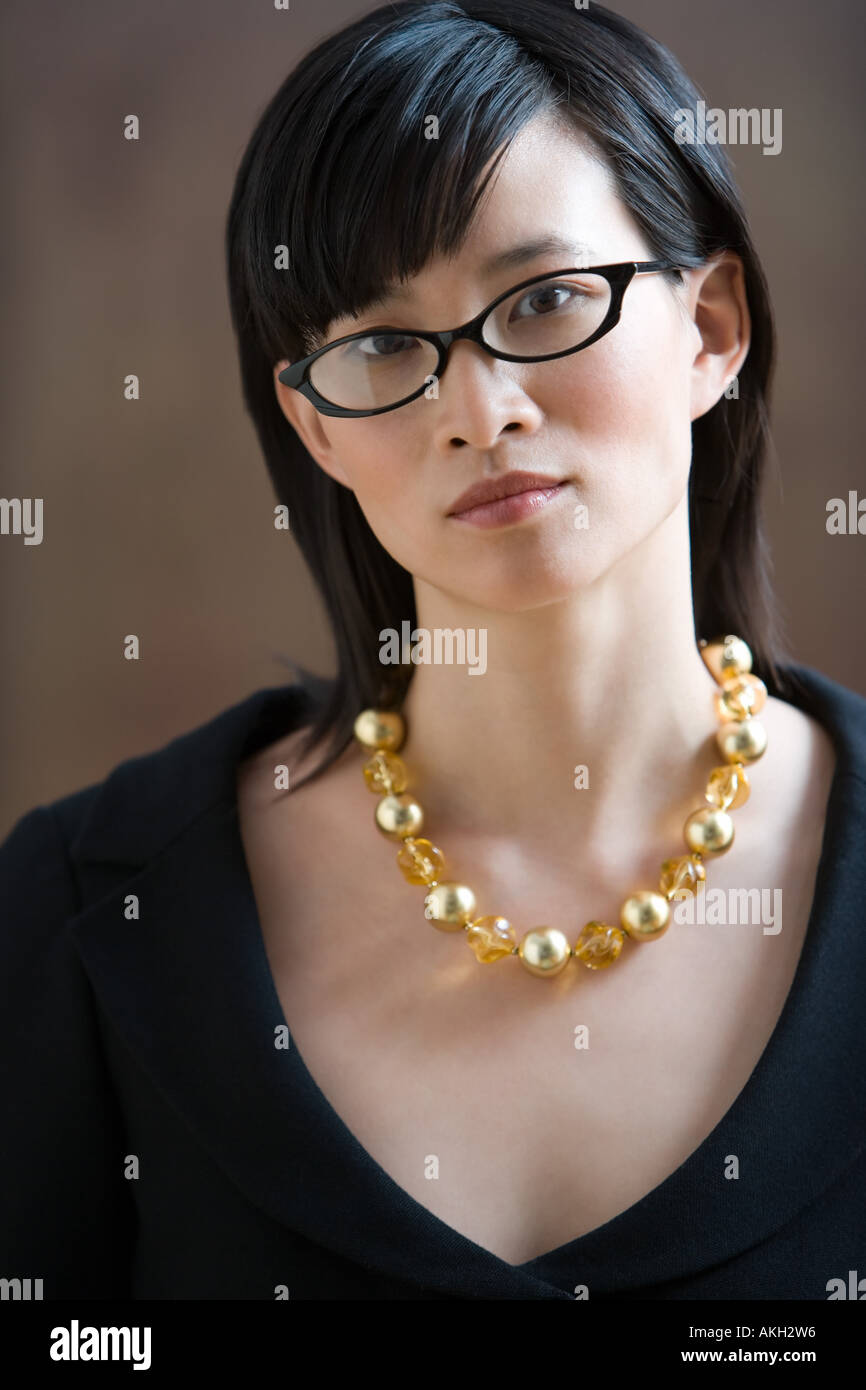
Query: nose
{"points": [[480, 398]]}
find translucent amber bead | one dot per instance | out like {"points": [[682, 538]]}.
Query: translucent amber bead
{"points": [[491, 938], [598, 945], [726, 657], [399, 816], [544, 951], [645, 915], [379, 728], [728, 787], [420, 861], [449, 906], [708, 831], [681, 875], [740, 697], [385, 772], [742, 742]]}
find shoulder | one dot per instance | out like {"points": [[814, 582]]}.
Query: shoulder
{"points": [[820, 721], [801, 753], [813, 803], [811, 782]]}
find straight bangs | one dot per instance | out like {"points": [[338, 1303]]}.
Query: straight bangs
{"points": [[390, 174]]}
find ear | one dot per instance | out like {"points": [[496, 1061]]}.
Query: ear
{"points": [[720, 310], [308, 424]]}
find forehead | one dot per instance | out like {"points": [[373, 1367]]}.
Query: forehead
{"points": [[553, 180]]}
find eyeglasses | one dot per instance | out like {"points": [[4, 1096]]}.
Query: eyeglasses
{"points": [[380, 369]]}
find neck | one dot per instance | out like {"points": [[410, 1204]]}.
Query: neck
{"points": [[608, 679]]}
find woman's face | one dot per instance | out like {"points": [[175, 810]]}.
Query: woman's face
{"points": [[611, 421]]}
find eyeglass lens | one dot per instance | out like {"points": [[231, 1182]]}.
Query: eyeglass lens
{"points": [[548, 317]]}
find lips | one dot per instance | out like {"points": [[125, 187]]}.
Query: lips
{"points": [[495, 489]]}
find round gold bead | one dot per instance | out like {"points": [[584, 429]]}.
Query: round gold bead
{"points": [[376, 728], [726, 656], [744, 742], [645, 915], [544, 951], [598, 945], [420, 861], [709, 831], [399, 816], [491, 938], [449, 906], [740, 697]]}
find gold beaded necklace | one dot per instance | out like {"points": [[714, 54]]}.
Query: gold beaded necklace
{"points": [[645, 915]]}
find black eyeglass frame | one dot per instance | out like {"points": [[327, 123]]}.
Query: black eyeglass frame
{"points": [[619, 276]]}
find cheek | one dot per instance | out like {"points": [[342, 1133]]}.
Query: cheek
{"points": [[638, 371], [618, 419], [626, 401], [371, 456], [385, 472]]}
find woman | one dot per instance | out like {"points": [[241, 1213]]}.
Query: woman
{"points": [[282, 1070]]}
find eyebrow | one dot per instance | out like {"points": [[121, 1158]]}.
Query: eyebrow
{"points": [[512, 256]]}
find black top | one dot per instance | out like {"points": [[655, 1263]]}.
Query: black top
{"points": [[150, 1042]]}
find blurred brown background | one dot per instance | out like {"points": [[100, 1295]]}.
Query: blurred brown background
{"points": [[158, 513]]}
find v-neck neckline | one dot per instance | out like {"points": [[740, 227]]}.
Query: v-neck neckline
{"points": [[687, 1184]]}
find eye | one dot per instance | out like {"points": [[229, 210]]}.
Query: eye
{"points": [[381, 345], [542, 296]]}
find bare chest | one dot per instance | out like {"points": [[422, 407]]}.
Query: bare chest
{"points": [[521, 1112]]}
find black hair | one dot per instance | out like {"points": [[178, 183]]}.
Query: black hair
{"points": [[338, 171]]}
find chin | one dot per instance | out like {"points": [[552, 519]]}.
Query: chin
{"points": [[530, 588]]}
